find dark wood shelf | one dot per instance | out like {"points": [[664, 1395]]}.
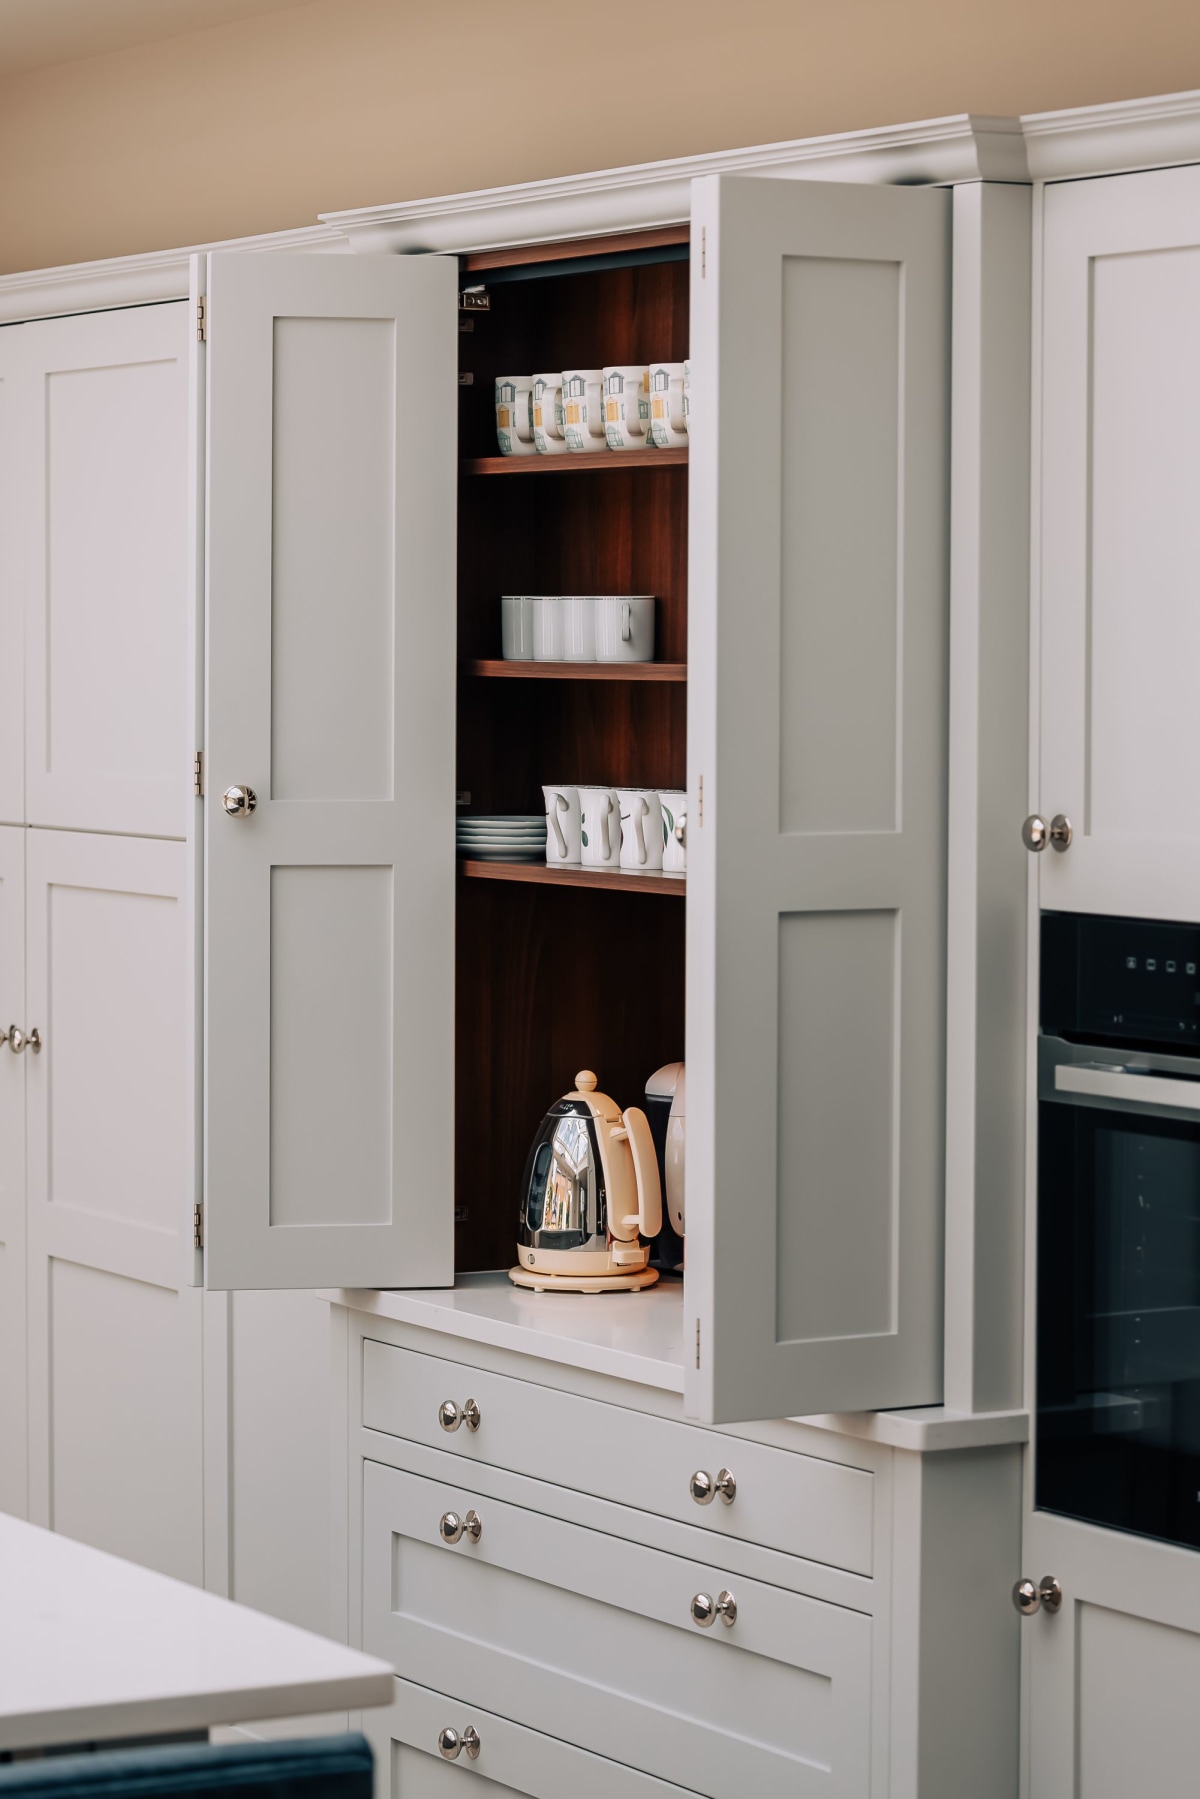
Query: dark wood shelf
{"points": [[573, 464], [493, 668], [619, 880]]}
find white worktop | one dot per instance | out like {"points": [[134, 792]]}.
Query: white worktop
{"points": [[94, 1647]]}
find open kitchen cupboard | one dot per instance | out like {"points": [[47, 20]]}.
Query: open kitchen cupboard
{"points": [[375, 1014]]}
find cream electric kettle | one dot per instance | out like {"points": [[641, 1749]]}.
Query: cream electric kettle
{"points": [[590, 1197]]}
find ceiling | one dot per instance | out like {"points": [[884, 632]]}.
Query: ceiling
{"points": [[35, 34]]}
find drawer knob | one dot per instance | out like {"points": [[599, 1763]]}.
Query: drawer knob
{"points": [[450, 1416], [706, 1610], [451, 1742], [1047, 1596], [452, 1528], [704, 1489]]}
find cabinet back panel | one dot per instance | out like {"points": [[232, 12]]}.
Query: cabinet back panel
{"points": [[550, 980]]}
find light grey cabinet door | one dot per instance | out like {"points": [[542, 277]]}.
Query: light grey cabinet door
{"points": [[12, 582], [329, 949], [13, 1491], [818, 624], [1120, 543]]}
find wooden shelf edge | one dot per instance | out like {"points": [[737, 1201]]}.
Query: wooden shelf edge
{"points": [[618, 880], [573, 464], [493, 668]]}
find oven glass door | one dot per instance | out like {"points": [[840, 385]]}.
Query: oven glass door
{"points": [[1118, 1389]]}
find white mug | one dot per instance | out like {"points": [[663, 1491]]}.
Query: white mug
{"points": [[687, 395], [600, 827], [562, 824], [583, 408], [516, 627], [674, 830], [641, 828], [549, 436], [626, 407], [514, 415], [547, 628], [624, 627], [668, 422], [578, 614]]}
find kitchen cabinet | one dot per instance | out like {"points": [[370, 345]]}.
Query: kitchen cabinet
{"points": [[815, 627], [1120, 543], [12, 1173]]}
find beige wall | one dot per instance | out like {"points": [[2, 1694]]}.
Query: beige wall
{"points": [[262, 124]]}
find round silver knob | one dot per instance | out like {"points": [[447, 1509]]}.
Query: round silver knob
{"points": [[471, 1743], [1060, 832], [471, 1415], [1035, 833], [449, 1416], [449, 1742], [452, 1528], [1047, 1595], [239, 802], [704, 1489], [16, 1039], [706, 1610]]}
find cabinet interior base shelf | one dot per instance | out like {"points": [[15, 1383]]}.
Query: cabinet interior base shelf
{"points": [[619, 880], [494, 668], [573, 462]]}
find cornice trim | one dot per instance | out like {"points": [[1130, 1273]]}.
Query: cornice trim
{"points": [[965, 147], [135, 280], [1110, 139]]}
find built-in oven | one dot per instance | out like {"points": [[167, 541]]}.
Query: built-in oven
{"points": [[1118, 1264]]}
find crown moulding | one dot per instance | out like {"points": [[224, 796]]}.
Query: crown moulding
{"points": [[966, 147], [1113, 139]]}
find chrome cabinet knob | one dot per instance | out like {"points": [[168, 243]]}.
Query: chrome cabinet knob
{"points": [[452, 1528], [1036, 833], [706, 1610], [450, 1416], [239, 802], [704, 1489], [1046, 1596], [450, 1742], [18, 1040]]}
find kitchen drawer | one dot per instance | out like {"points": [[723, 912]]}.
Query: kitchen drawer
{"points": [[798, 1503], [589, 1638], [513, 1763]]}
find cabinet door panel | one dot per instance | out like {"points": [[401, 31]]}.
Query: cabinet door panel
{"points": [[817, 757], [1120, 552], [12, 581], [103, 416], [115, 1351], [331, 683], [13, 1496]]}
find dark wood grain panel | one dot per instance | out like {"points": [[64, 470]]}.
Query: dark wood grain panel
{"points": [[575, 462], [611, 880], [569, 248], [496, 669]]}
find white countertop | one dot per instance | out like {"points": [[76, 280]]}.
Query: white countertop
{"points": [[92, 1646]]}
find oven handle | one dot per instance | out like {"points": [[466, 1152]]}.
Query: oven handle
{"points": [[1137, 1089]]}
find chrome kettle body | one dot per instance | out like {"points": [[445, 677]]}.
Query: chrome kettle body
{"points": [[590, 1195]]}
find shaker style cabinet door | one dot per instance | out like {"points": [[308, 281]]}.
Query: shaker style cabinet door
{"points": [[1120, 544], [817, 812], [12, 585], [330, 638], [13, 1494], [100, 403]]}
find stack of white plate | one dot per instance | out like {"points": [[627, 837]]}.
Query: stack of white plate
{"points": [[508, 837]]}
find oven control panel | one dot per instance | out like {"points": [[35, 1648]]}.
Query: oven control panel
{"points": [[1130, 979]]}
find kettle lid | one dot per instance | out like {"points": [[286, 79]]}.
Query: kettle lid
{"points": [[599, 1104], [664, 1082]]}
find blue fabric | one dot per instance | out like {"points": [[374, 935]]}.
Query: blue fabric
{"points": [[305, 1768]]}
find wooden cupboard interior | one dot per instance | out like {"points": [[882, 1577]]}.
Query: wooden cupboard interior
{"points": [[561, 970]]}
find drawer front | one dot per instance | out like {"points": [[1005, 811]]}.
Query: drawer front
{"points": [[589, 1638], [513, 1763], [797, 1503]]}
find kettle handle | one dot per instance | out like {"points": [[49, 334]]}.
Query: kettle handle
{"points": [[636, 1129]]}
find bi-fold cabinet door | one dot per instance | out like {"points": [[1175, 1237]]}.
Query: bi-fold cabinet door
{"points": [[329, 898], [1120, 543], [817, 755]]}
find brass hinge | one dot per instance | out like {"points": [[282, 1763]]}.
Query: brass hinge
{"points": [[202, 320], [198, 774], [198, 1224], [697, 1342], [474, 299]]}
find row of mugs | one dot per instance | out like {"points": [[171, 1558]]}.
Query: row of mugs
{"points": [[638, 828], [624, 407], [577, 627]]}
